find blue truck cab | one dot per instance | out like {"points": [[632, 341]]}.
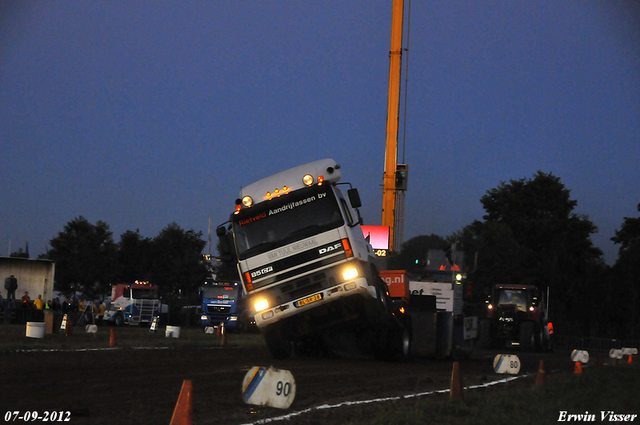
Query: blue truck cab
{"points": [[223, 302]]}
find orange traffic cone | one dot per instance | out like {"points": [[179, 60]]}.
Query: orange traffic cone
{"points": [[183, 413], [223, 342], [68, 329], [578, 368], [112, 339], [630, 359], [542, 374], [455, 393]]}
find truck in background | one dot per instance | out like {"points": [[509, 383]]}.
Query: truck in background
{"points": [[517, 315], [224, 302], [440, 322], [133, 304], [307, 270]]}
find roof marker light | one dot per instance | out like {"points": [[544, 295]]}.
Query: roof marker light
{"points": [[247, 201], [320, 180], [307, 180]]}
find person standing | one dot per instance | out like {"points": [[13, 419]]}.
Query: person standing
{"points": [[38, 303], [101, 313], [11, 284]]}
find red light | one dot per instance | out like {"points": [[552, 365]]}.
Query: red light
{"points": [[347, 247], [320, 180]]}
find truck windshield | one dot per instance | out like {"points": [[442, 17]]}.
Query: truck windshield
{"points": [[139, 294], [219, 292], [278, 222], [517, 297]]}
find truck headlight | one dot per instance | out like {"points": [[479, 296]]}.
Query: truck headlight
{"points": [[350, 273], [203, 317], [260, 305]]}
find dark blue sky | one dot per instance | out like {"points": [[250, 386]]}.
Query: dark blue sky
{"points": [[144, 113]]}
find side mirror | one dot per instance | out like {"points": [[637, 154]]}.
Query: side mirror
{"points": [[221, 231], [354, 198]]}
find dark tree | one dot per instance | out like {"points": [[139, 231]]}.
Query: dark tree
{"points": [[178, 268], [625, 281], [85, 257], [135, 257], [530, 235]]}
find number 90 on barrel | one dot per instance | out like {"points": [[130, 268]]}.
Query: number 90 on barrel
{"points": [[269, 387]]}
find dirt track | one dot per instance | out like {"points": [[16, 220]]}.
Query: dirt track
{"points": [[141, 386]]}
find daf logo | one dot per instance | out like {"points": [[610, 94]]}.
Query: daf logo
{"points": [[330, 248]]}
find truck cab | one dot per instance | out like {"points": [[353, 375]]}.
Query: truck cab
{"points": [[223, 302], [305, 265], [133, 304]]}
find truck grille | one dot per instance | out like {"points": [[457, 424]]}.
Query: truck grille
{"points": [[218, 309], [304, 286]]}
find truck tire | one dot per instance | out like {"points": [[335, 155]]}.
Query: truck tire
{"points": [[119, 320], [485, 334], [527, 336], [279, 347]]}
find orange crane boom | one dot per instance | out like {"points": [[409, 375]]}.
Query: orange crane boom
{"points": [[389, 197]]}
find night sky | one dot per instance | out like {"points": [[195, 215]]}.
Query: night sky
{"points": [[143, 113]]}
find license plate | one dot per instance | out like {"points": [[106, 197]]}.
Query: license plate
{"points": [[308, 300]]}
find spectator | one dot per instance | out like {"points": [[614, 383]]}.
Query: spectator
{"points": [[11, 284], [39, 305], [26, 307], [26, 301], [101, 313]]}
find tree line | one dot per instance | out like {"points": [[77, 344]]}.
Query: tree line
{"points": [[529, 234], [88, 260]]}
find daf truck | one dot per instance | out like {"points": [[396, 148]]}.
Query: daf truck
{"points": [[307, 270]]}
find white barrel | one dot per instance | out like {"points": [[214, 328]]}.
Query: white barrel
{"points": [[629, 351], [172, 332], [35, 329], [615, 353], [506, 363], [581, 356], [269, 387]]}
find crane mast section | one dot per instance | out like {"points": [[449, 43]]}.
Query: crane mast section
{"points": [[391, 154]]}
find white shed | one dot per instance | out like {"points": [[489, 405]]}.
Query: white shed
{"points": [[34, 276]]}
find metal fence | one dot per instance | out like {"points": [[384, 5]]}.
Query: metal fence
{"points": [[593, 344]]}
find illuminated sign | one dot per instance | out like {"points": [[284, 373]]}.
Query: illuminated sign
{"points": [[378, 236]]}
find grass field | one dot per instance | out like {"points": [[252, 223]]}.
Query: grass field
{"points": [[596, 392], [593, 393], [13, 337]]}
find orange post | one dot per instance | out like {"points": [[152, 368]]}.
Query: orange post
{"points": [[183, 413], [223, 341], [541, 378], [112, 339], [455, 393], [578, 368]]}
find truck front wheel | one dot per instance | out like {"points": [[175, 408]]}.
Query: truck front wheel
{"points": [[119, 320]]}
